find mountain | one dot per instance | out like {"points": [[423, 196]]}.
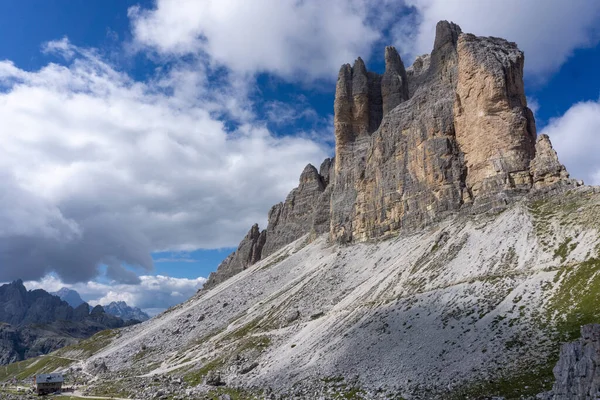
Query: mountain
{"points": [[36, 322], [117, 308], [126, 313], [450, 134], [70, 296], [442, 253]]}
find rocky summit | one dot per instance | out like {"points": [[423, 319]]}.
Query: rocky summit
{"points": [[442, 253], [450, 134]]}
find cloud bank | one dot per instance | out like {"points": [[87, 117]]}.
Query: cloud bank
{"points": [[153, 294], [311, 38], [308, 38], [98, 168]]}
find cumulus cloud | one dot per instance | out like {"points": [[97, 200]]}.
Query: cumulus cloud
{"points": [[309, 38], [576, 138], [547, 31], [98, 168], [153, 294]]}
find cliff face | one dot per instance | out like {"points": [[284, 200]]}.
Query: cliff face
{"points": [[302, 212], [458, 136], [452, 133], [577, 372]]}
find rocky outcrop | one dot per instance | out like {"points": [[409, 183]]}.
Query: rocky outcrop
{"points": [[294, 218], [394, 83], [458, 136], [577, 372], [358, 92], [452, 133], [247, 253], [546, 169], [305, 210], [494, 128]]}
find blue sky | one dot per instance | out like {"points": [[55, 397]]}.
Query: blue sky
{"points": [[144, 138]]}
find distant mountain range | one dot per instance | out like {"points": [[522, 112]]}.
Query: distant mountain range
{"points": [[122, 310], [36, 322], [71, 296], [117, 308]]}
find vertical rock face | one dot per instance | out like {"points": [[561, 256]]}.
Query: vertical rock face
{"points": [[247, 253], [292, 219], [321, 215], [412, 167], [577, 372], [494, 128], [394, 82], [372, 93]]}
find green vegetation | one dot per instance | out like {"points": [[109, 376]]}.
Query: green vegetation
{"points": [[341, 389], [89, 347], [527, 382], [196, 377], [332, 379], [564, 249], [28, 368], [576, 300]]}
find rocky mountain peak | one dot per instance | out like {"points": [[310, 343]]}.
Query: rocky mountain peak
{"points": [[446, 33], [310, 176], [70, 296], [450, 134], [394, 82]]}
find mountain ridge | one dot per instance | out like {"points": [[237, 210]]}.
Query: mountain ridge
{"points": [[37, 322], [117, 308]]}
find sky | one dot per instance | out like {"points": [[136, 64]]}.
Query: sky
{"points": [[142, 139]]}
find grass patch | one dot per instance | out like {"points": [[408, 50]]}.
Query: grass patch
{"points": [[196, 377], [564, 249], [26, 369], [109, 389], [521, 385], [575, 302], [89, 347]]}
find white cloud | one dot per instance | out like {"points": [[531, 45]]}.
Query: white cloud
{"points": [[153, 293], [576, 138], [310, 38], [100, 168], [547, 31]]}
